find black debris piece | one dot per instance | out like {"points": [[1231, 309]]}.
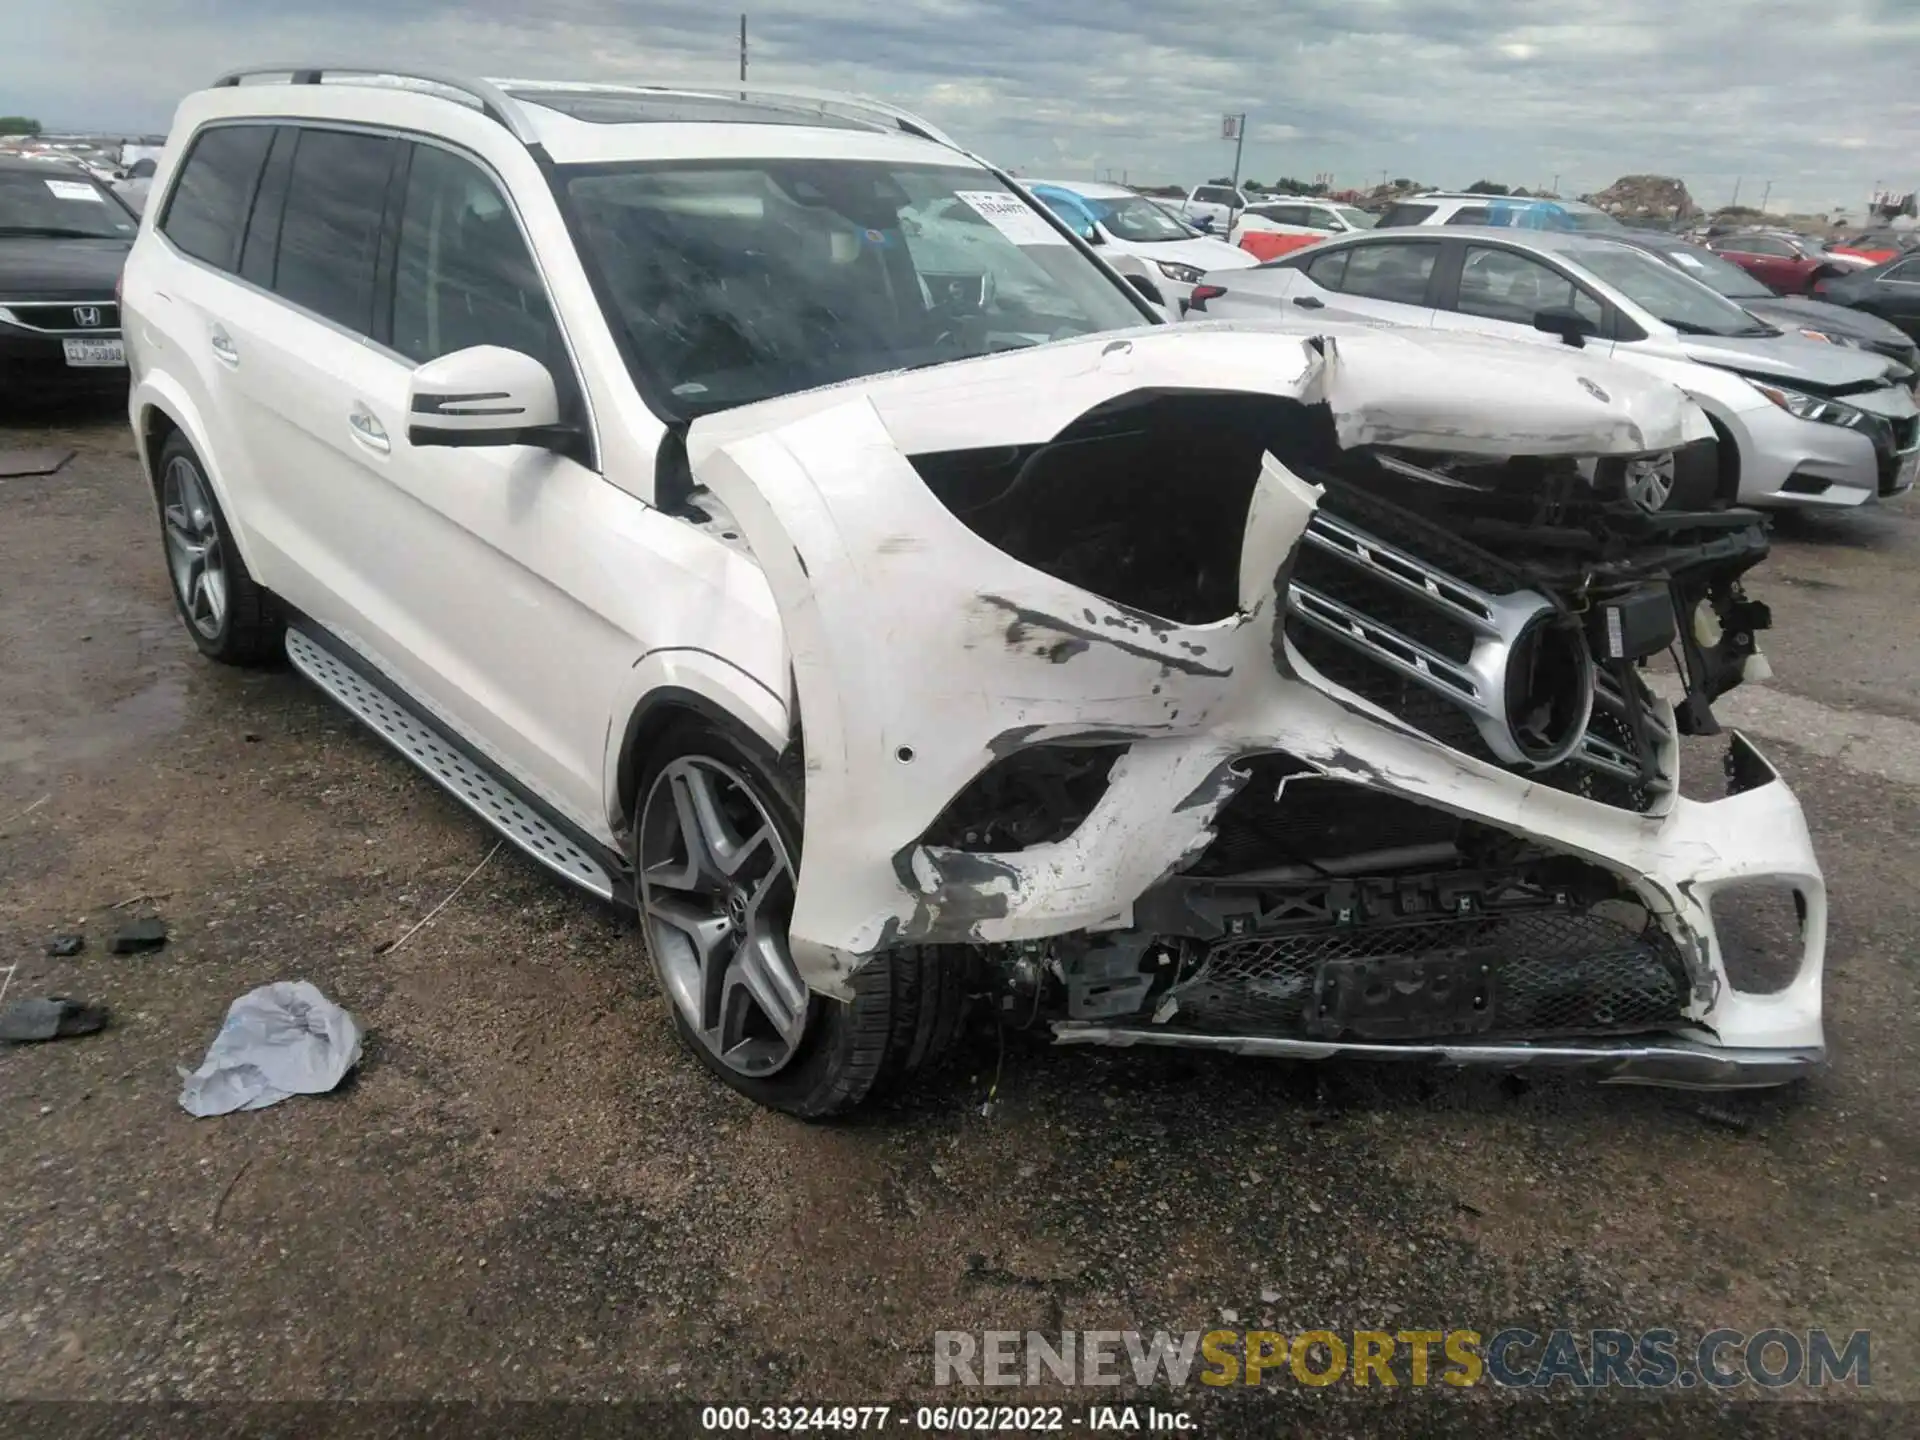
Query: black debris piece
{"points": [[149, 932], [62, 946], [53, 1018]]}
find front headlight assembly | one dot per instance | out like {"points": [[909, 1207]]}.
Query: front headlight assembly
{"points": [[1185, 274], [1814, 407]]}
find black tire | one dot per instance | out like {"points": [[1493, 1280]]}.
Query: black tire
{"points": [[908, 1004], [250, 630]]}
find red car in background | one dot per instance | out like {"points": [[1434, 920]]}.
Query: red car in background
{"points": [[1785, 264]]}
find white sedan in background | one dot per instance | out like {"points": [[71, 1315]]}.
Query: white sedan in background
{"points": [[1139, 237], [1800, 423]]}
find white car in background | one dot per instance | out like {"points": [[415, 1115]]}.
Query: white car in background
{"points": [[1138, 236], [1288, 222], [1801, 423]]}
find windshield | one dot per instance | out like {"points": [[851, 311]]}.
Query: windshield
{"points": [[1723, 277], [736, 281], [59, 205], [1666, 294], [1359, 219], [1135, 218]]}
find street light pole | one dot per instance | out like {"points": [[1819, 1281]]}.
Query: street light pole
{"points": [[1239, 145]]}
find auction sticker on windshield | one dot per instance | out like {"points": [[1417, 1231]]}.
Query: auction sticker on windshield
{"points": [[74, 190], [1011, 216]]}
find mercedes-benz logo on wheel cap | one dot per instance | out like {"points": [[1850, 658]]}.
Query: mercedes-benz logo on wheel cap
{"points": [[86, 317]]}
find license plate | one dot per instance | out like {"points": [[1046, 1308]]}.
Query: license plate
{"points": [[95, 352]]}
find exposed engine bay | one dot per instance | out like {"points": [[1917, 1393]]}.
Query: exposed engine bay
{"points": [[1297, 717]]}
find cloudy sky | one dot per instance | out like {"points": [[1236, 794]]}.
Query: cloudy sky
{"points": [[1823, 99]]}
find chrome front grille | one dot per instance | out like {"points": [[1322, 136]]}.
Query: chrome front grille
{"points": [[63, 317], [1376, 618]]}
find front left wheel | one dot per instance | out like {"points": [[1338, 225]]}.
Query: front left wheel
{"points": [[230, 617], [717, 858]]}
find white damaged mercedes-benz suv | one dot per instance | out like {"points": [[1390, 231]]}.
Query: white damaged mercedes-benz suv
{"points": [[771, 521]]}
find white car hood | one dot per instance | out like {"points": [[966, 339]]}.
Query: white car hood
{"points": [[921, 652]]}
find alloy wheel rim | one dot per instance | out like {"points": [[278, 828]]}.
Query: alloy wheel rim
{"points": [[194, 554], [716, 895], [1650, 482]]}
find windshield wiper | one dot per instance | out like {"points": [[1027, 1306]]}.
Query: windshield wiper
{"points": [[51, 232]]}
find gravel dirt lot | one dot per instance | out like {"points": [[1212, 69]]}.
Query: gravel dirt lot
{"points": [[528, 1192]]}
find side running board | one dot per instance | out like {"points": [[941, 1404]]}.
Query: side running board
{"points": [[521, 820]]}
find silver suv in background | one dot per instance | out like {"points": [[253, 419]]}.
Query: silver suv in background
{"points": [[1801, 423]]}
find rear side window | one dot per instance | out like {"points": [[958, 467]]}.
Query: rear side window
{"points": [[1328, 269], [1216, 195], [330, 232], [463, 274], [1468, 215], [1404, 214], [208, 208], [1502, 285], [1389, 272]]}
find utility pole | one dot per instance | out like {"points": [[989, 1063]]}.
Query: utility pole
{"points": [[1234, 128], [1556, 185], [1766, 196], [1736, 191], [743, 54]]}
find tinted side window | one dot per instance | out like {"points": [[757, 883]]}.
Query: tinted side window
{"points": [[263, 228], [208, 207], [1907, 271], [1390, 272], [1760, 245], [1468, 215], [330, 233], [1404, 214], [1502, 285], [1291, 215], [1216, 195], [1328, 269], [463, 274]]}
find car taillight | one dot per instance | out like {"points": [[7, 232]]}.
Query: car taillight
{"points": [[1202, 294]]}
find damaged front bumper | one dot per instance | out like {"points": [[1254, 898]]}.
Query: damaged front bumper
{"points": [[924, 656]]}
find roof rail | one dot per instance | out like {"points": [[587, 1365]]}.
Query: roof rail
{"points": [[861, 106], [491, 101]]}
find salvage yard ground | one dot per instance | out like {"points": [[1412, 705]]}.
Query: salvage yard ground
{"points": [[527, 1190]]}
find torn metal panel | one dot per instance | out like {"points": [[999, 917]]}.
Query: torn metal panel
{"points": [[924, 651]]}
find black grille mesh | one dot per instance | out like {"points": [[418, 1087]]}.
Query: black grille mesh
{"points": [[1555, 972]]}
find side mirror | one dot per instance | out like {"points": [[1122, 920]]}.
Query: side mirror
{"points": [[483, 395], [1090, 233], [1570, 325]]}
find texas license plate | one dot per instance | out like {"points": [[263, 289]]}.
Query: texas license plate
{"points": [[95, 352]]}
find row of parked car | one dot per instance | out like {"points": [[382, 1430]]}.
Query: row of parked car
{"points": [[1804, 358]]}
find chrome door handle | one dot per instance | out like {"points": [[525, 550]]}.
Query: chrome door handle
{"points": [[366, 428], [223, 347]]}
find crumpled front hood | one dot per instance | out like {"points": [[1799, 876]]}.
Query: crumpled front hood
{"points": [[1417, 389], [1788, 357]]}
